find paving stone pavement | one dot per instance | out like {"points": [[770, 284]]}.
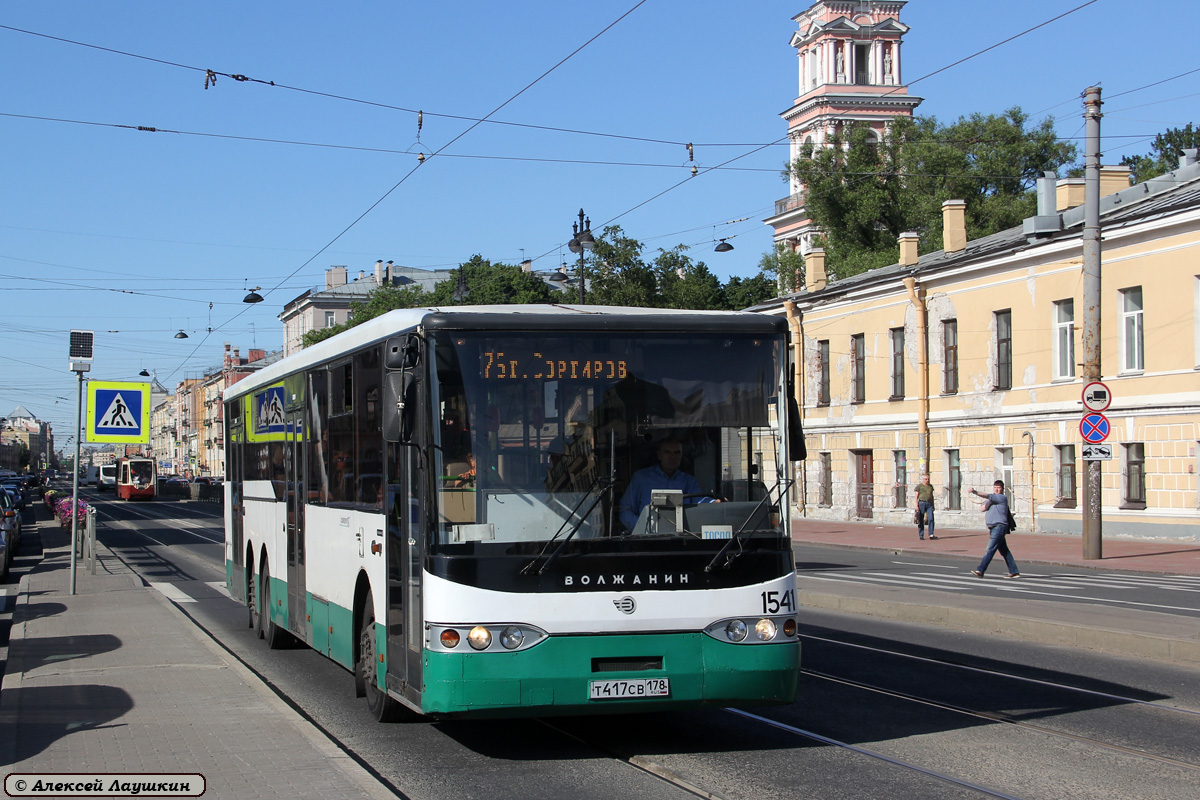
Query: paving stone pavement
{"points": [[116, 679]]}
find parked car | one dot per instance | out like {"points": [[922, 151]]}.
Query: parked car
{"points": [[10, 531], [18, 492]]}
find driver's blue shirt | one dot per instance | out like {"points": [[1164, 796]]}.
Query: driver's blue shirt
{"points": [[644, 481]]}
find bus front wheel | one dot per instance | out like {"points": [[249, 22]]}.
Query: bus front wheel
{"points": [[382, 707]]}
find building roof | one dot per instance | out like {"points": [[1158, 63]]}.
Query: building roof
{"points": [[1158, 197]]}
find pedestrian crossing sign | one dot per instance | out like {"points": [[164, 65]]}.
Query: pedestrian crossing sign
{"points": [[118, 412]]}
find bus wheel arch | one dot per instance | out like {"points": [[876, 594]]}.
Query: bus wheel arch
{"points": [[250, 589], [362, 591]]}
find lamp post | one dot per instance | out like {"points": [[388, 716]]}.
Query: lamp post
{"points": [[581, 241]]}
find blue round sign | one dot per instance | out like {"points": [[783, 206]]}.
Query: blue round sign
{"points": [[1094, 427]]}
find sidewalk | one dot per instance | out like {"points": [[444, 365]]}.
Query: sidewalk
{"points": [[116, 680], [1112, 629]]}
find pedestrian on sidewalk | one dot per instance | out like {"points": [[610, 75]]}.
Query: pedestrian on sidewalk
{"points": [[996, 517], [924, 506]]}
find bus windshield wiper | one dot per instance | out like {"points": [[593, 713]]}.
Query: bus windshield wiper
{"points": [[739, 536], [608, 485]]}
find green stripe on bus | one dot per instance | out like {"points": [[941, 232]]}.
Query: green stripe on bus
{"points": [[555, 675]]}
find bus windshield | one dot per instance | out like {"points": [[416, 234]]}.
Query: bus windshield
{"points": [[547, 435]]}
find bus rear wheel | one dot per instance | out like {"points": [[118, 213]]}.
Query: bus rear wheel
{"points": [[382, 707], [276, 636]]}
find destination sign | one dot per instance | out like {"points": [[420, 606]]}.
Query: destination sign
{"points": [[508, 365]]}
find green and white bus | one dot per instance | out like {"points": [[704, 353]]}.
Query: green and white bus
{"points": [[432, 499]]}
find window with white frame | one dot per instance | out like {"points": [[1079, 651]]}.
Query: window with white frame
{"points": [[1003, 379], [897, 335], [1134, 470], [1004, 471], [901, 459], [953, 481], [1064, 339], [330, 319], [1132, 332], [1066, 487], [858, 377]]}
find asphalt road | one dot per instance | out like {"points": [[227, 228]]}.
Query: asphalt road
{"points": [[1168, 594], [886, 709]]}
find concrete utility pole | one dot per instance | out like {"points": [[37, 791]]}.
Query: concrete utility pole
{"points": [[1092, 486]]}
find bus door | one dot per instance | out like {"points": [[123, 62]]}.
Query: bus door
{"points": [[404, 624], [235, 439], [296, 492]]}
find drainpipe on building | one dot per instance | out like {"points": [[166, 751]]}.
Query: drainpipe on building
{"points": [[1032, 484], [916, 295], [795, 322]]}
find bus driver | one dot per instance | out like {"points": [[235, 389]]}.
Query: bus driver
{"points": [[665, 475]]}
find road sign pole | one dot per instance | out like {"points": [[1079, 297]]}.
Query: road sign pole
{"points": [[1092, 486], [80, 369]]}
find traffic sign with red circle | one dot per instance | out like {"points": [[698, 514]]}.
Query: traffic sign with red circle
{"points": [[1096, 396], [1094, 427]]}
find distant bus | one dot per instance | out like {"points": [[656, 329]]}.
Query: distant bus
{"points": [[136, 479], [432, 500], [106, 476]]}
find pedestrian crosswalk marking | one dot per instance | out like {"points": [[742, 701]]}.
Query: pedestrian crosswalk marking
{"points": [[118, 415], [172, 592]]}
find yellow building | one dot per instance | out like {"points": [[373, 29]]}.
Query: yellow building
{"points": [[965, 363]]}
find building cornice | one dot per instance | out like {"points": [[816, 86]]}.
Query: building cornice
{"points": [[897, 103]]}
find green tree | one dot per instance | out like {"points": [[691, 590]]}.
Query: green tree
{"points": [[1164, 153], [618, 275], [683, 283], [783, 267], [863, 192], [743, 293], [492, 284]]}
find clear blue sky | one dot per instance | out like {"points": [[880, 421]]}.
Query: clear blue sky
{"points": [[134, 234]]}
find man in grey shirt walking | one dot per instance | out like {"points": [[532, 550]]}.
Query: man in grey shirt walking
{"points": [[995, 516]]}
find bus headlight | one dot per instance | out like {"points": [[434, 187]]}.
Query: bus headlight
{"points": [[479, 638], [766, 630], [735, 630], [511, 637]]}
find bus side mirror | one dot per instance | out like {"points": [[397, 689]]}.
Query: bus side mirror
{"points": [[402, 352], [399, 406], [797, 449]]}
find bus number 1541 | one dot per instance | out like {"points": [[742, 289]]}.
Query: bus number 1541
{"points": [[776, 602]]}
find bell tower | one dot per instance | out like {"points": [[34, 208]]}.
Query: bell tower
{"points": [[848, 58]]}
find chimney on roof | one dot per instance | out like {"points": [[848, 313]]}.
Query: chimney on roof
{"points": [[954, 226], [1113, 179], [335, 276], [1189, 157], [815, 278], [389, 272], [1069, 193], [527, 265], [379, 272], [228, 357], [362, 273], [255, 355], [909, 240]]}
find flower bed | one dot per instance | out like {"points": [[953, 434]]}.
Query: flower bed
{"points": [[62, 510]]}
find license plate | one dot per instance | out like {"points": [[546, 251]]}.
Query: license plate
{"points": [[629, 689]]}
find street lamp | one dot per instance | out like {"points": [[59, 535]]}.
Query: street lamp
{"points": [[581, 241]]}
